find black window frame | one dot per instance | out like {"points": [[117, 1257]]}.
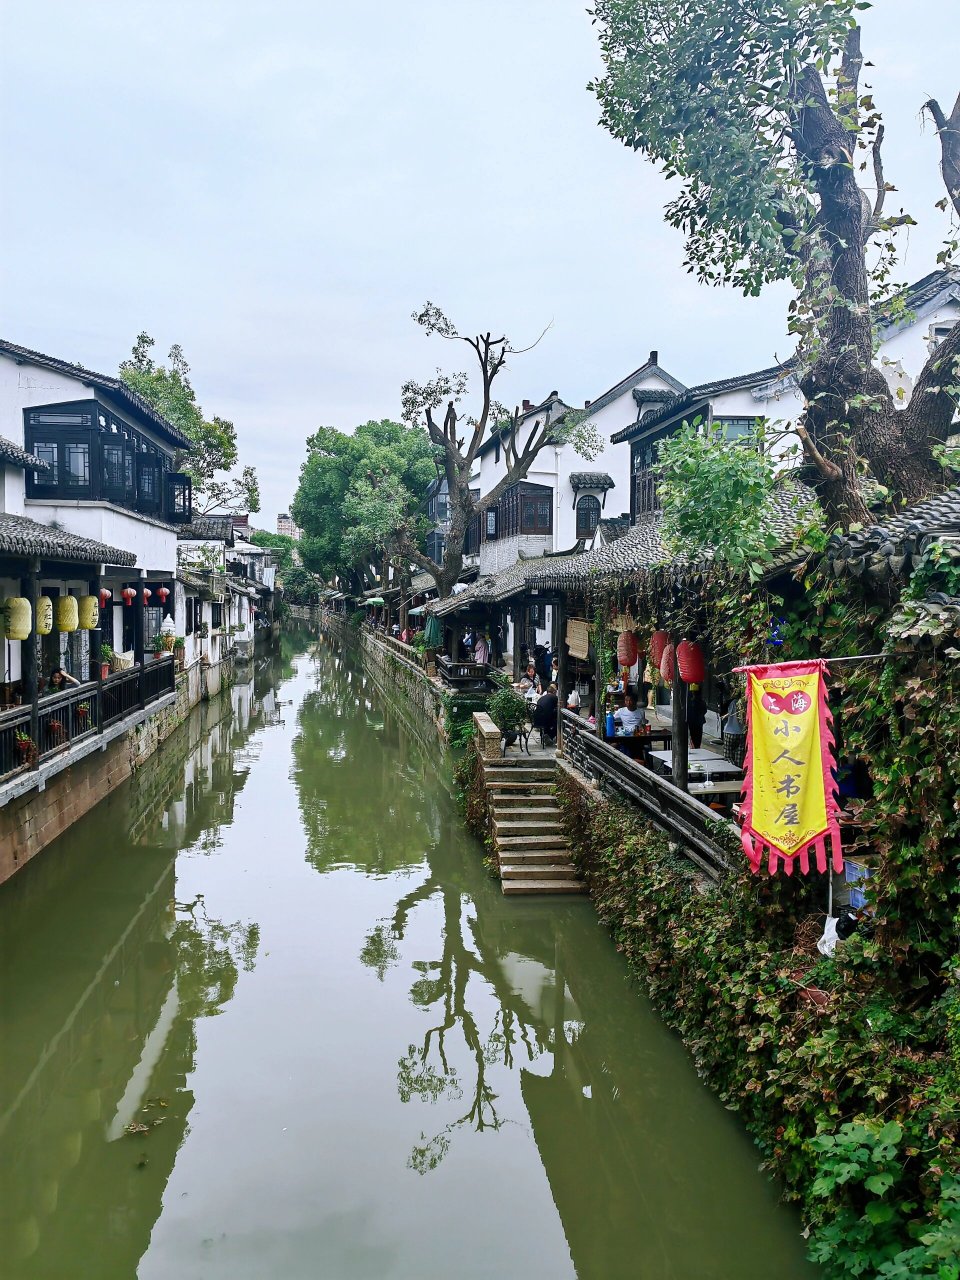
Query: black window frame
{"points": [[588, 502]]}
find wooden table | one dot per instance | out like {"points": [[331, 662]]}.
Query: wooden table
{"points": [[638, 746]]}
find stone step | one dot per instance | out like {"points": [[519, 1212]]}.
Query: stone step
{"points": [[531, 830], [541, 871], [538, 773], [534, 857], [542, 886], [520, 788], [518, 843], [495, 780], [520, 769], [524, 802]]}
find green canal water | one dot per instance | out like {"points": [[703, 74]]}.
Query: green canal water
{"points": [[264, 1017]]}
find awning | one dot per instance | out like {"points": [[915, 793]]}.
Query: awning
{"points": [[415, 613], [375, 600]]}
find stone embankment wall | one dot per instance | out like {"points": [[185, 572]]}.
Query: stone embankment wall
{"points": [[422, 693], [31, 821], [305, 613], [335, 623]]}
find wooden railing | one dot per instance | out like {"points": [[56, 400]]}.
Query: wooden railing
{"points": [[700, 832], [66, 717], [77, 713]]}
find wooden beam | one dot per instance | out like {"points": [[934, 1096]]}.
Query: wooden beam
{"points": [[680, 745]]}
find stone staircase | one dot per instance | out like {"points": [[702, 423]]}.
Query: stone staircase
{"points": [[532, 851]]}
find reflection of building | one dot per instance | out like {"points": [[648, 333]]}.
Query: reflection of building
{"points": [[104, 979]]}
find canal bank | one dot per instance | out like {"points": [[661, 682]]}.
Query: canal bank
{"points": [[284, 1024]]}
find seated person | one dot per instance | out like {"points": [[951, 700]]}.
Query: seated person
{"points": [[629, 717], [545, 712], [573, 701], [529, 681], [58, 680]]}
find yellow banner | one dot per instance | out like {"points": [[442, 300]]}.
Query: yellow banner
{"points": [[789, 805]]}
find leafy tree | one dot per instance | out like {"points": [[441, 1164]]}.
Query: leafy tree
{"points": [[300, 586], [214, 443], [718, 495], [759, 113], [456, 453], [282, 546], [361, 496]]}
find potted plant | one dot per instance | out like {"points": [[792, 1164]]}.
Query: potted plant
{"points": [[106, 658], [179, 645], [83, 710], [508, 711], [202, 630], [158, 645], [24, 742], [56, 730]]}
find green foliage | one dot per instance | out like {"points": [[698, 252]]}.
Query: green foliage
{"points": [[358, 493], [458, 709], [281, 544], [214, 442], [507, 709], [718, 495], [709, 92], [301, 587]]}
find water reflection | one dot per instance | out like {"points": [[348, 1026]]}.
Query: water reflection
{"points": [[106, 975]]}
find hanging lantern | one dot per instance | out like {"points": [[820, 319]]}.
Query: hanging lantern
{"points": [[668, 663], [44, 616], [162, 592], [89, 612], [147, 593], [18, 617], [129, 595], [658, 642], [691, 662], [105, 595], [627, 650], [66, 613]]}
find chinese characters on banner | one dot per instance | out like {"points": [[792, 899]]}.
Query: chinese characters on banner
{"points": [[790, 808]]}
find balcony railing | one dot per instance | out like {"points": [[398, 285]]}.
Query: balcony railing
{"points": [[78, 713]]}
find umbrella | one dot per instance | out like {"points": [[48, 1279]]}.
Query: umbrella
{"points": [[433, 632], [415, 613], [376, 600]]}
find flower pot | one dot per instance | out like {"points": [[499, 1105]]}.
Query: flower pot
{"points": [[24, 746], [104, 670]]}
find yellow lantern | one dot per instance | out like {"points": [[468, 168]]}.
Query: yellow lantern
{"points": [[44, 616], [89, 612], [67, 614], [18, 617]]}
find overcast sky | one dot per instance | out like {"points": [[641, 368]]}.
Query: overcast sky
{"points": [[277, 185]]}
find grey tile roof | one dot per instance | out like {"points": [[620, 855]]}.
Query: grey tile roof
{"points": [[651, 368], [115, 386], [591, 480], [207, 528], [14, 456], [892, 547], [704, 391], [945, 281], [614, 527], [20, 536]]}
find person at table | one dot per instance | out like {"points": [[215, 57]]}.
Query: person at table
{"points": [[545, 712], [529, 680], [696, 714], [629, 717]]}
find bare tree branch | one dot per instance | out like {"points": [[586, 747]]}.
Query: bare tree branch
{"points": [[949, 131], [829, 470]]}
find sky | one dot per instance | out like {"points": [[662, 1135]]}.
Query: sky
{"points": [[277, 186]]}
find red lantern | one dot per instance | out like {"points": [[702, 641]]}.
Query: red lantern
{"points": [[147, 593], [163, 592], [105, 594], [658, 642], [129, 595], [668, 663], [627, 650], [691, 662]]}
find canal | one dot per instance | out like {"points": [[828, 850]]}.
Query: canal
{"points": [[264, 1016]]}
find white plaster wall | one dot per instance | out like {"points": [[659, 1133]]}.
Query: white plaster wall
{"points": [[11, 490], [154, 545], [911, 345], [25, 385]]}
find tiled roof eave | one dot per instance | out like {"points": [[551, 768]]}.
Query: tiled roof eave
{"points": [[21, 536]]}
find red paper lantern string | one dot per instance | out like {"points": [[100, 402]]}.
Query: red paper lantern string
{"points": [[147, 593], [668, 663], [658, 642], [691, 662], [104, 595], [163, 592], [129, 595]]}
